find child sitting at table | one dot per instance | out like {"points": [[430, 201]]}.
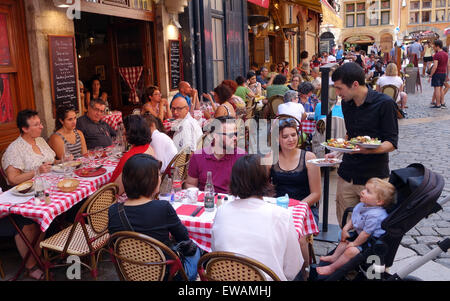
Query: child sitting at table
{"points": [[366, 221]]}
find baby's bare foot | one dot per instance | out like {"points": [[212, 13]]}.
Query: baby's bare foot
{"points": [[324, 270]]}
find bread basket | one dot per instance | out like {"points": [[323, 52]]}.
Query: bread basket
{"points": [[68, 185]]}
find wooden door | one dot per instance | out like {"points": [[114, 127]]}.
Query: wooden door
{"points": [[16, 87], [132, 45]]}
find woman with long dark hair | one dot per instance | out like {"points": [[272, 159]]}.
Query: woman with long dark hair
{"points": [[66, 136], [94, 91]]}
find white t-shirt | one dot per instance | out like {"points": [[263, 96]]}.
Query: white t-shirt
{"points": [[261, 231], [390, 80], [292, 108], [164, 148]]}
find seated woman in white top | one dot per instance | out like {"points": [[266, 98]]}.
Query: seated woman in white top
{"points": [[249, 226], [28, 152], [391, 78], [291, 106]]}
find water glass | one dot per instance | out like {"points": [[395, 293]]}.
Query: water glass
{"points": [[192, 195], [283, 201]]}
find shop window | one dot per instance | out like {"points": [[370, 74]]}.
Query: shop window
{"points": [[385, 16], [217, 5], [426, 16], [385, 4], [6, 103], [415, 5], [414, 17], [350, 7], [361, 19], [440, 3], [440, 15], [361, 6], [5, 56], [350, 20], [426, 4], [218, 51]]}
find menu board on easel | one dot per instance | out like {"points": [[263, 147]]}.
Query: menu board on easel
{"points": [[63, 70], [175, 64]]}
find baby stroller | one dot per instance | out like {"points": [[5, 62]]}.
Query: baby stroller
{"points": [[417, 193]]}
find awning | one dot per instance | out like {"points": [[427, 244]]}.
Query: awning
{"points": [[262, 3], [314, 5]]}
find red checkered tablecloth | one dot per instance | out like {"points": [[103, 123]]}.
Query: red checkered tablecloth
{"points": [[200, 228], [113, 119], [60, 201], [308, 126]]}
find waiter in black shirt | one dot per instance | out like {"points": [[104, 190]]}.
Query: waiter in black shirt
{"points": [[366, 113]]}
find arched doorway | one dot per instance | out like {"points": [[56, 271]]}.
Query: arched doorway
{"points": [[386, 42], [362, 40], [326, 42]]}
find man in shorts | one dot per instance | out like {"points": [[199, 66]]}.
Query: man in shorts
{"points": [[438, 74]]}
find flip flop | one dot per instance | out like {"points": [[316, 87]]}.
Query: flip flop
{"points": [[33, 273]]}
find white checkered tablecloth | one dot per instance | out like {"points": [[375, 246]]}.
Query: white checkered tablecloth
{"points": [[60, 201], [200, 227], [113, 119], [308, 126]]}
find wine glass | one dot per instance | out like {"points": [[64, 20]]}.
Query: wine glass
{"points": [[91, 156]]}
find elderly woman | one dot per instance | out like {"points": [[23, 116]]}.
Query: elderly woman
{"points": [[292, 174], [23, 157], [155, 105], [28, 152], [391, 78], [254, 228], [138, 135], [66, 135], [291, 106], [145, 214]]}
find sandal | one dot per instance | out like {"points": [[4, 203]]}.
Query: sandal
{"points": [[35, 273]]}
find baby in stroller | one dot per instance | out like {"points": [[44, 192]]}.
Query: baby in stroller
{"points": [[366, 221]]}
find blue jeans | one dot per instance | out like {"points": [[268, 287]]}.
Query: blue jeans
{"points": [[190, 265]]}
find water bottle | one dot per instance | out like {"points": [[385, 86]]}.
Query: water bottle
{"points": [[209, 193], [176, 185]]}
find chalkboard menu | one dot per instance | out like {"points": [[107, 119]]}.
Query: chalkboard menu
{"points": [[63, 70], [175, 64]]}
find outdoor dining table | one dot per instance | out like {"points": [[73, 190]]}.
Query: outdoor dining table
{"points": [[61, 202], [113, 119], [200, 226]]}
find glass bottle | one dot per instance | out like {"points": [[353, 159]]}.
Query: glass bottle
{"points": [[176, 184], [209, 193]]}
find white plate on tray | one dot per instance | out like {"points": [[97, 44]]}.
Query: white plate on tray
{"points": [[342, 150], [370, 146], [322, 162], [16, 193]]}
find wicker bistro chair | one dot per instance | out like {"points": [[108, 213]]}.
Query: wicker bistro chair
{"points": [[138, 257], [83, 238], [274, 102], [181, 160], [390, 90], [227, 266]]}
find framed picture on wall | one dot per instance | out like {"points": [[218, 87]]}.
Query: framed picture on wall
{"points": [[100, 71]]}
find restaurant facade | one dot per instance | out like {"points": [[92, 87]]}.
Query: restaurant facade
{"points": [[48, 46]]}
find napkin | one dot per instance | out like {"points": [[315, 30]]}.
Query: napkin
{"points": [[293, 202], [188, 210]]}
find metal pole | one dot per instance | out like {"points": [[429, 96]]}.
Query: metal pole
{"points": [[324, 111]]}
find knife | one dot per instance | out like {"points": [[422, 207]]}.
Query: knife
{"points": [[196, 211]]}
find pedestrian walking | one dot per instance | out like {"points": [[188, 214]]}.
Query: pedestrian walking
{"points": [[439, 75]]}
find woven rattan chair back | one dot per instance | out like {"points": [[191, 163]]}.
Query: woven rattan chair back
{"points": [[139, 257], [97, 207], [274, 102], [391, 91], [181, 160], [227, 266]]}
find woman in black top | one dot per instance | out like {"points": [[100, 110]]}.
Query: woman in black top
{"points": [[155, 218], [292, 174]]}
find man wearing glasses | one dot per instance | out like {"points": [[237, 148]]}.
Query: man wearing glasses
{"points": [[96, 132], [187, 130], [218, 157]]}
